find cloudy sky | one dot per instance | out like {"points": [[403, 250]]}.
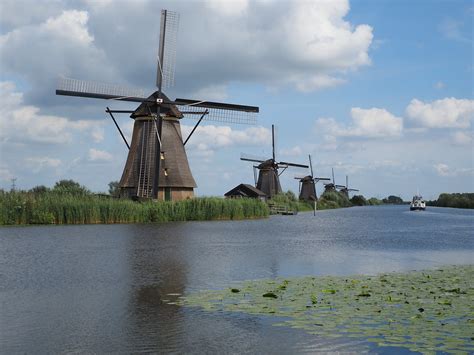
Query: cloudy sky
{"points": [[381, 91]]}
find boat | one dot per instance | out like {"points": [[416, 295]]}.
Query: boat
{"points": [[417, 204]]}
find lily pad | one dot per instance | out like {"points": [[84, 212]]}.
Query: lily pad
{"points": [[421, 311]]}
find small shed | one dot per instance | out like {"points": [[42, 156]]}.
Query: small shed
{"points": [[246, 190]]}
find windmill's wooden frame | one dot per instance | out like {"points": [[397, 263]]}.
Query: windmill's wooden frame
{"points": [[157, 165], [268, 175], [307, 185]]}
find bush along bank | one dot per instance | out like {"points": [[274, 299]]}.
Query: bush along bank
{"points": [[455, 200], [66, 208]]}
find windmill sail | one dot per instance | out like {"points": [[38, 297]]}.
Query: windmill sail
{"points": [[167, 58], [157, 165], [96, 90]]}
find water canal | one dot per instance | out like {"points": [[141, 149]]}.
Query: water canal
{"points": [[99, 288]]}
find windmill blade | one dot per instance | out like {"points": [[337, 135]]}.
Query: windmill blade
{"points": [[311, 165], [352, 190], [322, 179], [219, 115], [96, 90], [300, 177], [273, 142], [216, 105], [333, 181], [218, 111], [167, 49], [293, 164], [340, 186], [248, 157], [253, 160]]}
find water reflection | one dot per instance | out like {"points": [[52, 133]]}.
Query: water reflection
{"points": [[102, 288]]}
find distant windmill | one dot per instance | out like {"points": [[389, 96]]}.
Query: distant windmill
{"points": [[345, 188], [268, 175], [331, 186], [308, 183], [157, 166]]}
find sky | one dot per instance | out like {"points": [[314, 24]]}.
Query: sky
{"points": [[381, 91]]}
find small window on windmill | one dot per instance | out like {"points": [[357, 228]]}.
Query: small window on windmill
{"points": [[166, 172], [162, 155]]}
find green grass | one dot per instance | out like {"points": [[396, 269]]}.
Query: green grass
{"points": [[64, 208]]}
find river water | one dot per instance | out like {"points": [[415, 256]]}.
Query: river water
{"points": [[99, 288]]}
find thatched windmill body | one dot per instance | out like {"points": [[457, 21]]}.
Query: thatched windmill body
{"points": [[307, 185], [268, 171], [157, 165], [330, 186], [345, 188]]}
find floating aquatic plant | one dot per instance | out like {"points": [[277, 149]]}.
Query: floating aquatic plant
{"points": [[422, 311]]}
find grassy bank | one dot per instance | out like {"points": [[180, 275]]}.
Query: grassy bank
{"points": [[66, 208]]}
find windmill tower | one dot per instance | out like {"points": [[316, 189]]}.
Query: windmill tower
{"points": [[157, 165], [331, 186], [307, 185], [345, 188], [268, 175]]}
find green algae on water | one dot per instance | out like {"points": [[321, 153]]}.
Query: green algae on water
{"points": [[428, 311]]}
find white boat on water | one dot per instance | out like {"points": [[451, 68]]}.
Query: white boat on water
{"points": [[417, 204]]}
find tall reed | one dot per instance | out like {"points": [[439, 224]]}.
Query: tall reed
{"points": [[65, 208]]}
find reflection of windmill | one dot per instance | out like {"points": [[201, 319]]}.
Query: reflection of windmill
{"points": [[345, 188], [157, 165], [268, 175], [308, 185]]}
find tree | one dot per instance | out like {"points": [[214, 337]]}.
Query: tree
{"points": [[70, 187], [40, 189], [393, 200], [358, 200], [291, 195], [114, 190]]}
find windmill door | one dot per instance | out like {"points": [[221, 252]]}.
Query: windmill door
{"points": [[167, 193]]}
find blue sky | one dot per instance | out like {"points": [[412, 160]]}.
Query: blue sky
{"points": [[381, 91]]}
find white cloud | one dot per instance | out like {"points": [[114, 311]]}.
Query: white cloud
{"points": [[443, 169], [292, 152], [445, 113], [462, 138], [439, 85], [446, 171], [453, 30], [71, 24], [39, 163], [24, 123], [207, 139], [228, 8], [212, 93], [5, 174], [225, 136], [308, 45], [366, 123], [61, 44], [99, 155]]}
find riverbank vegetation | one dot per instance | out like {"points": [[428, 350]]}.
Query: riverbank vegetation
{"points": [[329, 200], [455, 200], [425, 311], [70, 203]]}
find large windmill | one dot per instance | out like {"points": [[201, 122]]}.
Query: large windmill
{"points": [[307, 185], [345, 188], [268, 175], [157, 166]]}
